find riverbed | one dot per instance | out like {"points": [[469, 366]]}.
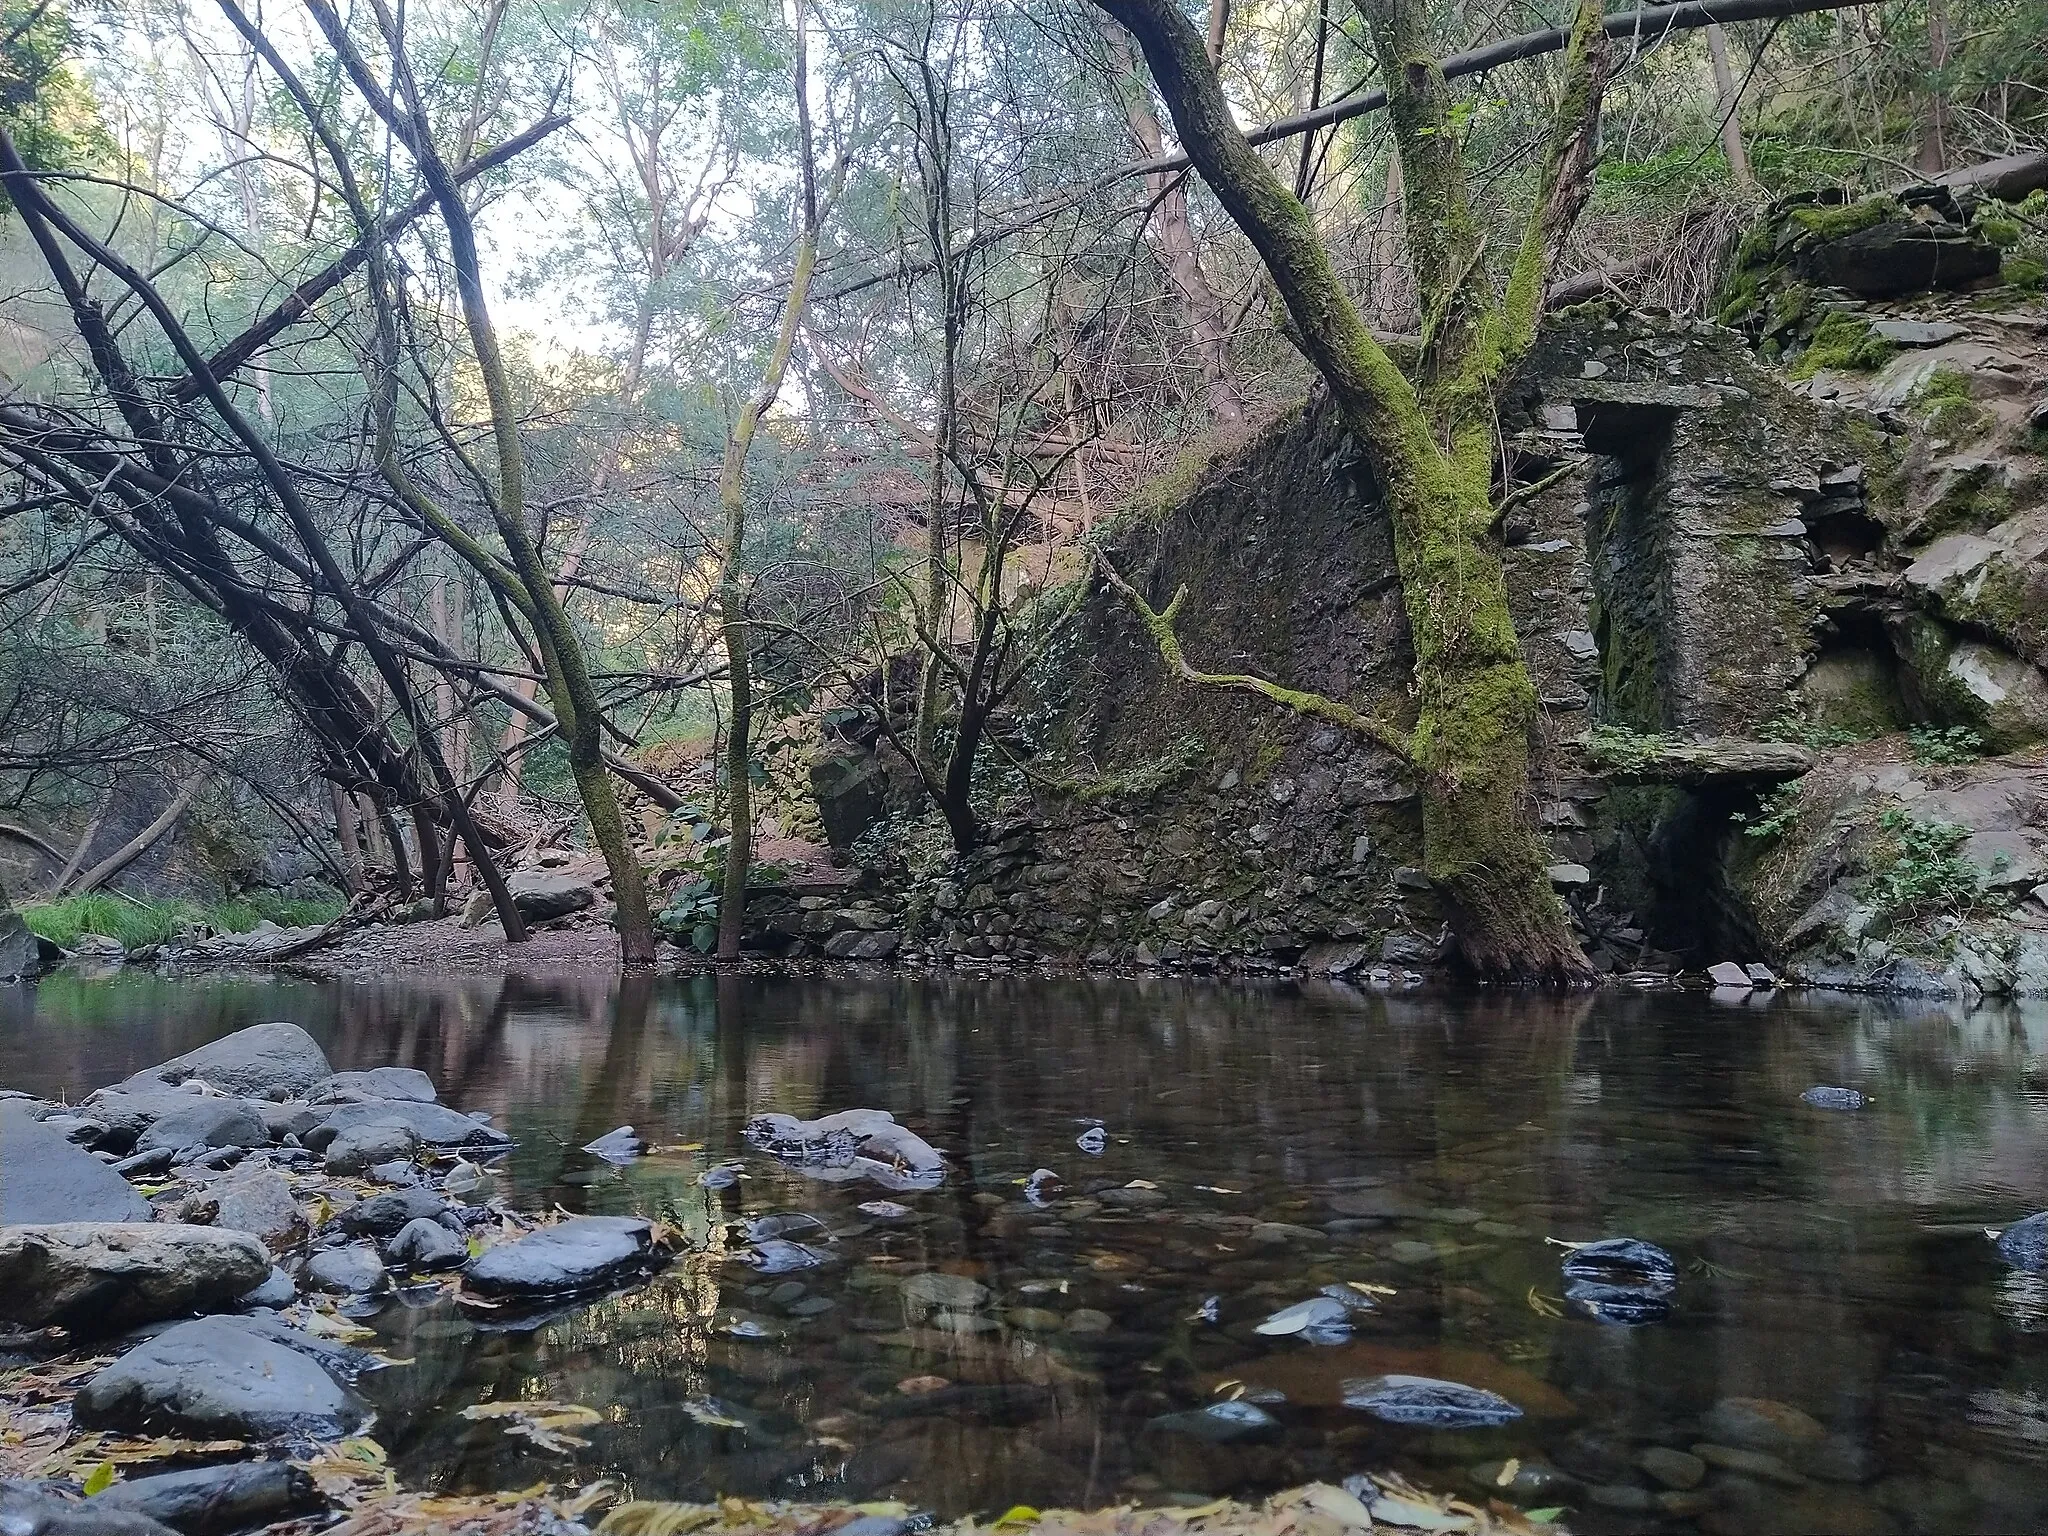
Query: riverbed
{"points": [[1841, 1323]]}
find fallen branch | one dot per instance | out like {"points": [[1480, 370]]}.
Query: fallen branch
{"points": [[1314, 705]]}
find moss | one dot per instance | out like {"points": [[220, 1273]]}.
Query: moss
{"points": [[1999, 231], [1831, 222], [1945, 396], [1143, 779], [1846, 342], [2025, 272]]}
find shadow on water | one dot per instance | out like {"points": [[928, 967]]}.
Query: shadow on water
{"points": [[1262, 1143]]}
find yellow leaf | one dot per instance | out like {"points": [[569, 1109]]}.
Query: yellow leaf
{"points": [[1017, 1514], [1508, 1469], [101, 1480]]}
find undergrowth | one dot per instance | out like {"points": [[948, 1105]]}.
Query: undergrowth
{"points": [[137, 922], [1927, 874]]}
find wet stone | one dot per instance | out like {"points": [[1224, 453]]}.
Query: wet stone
{"points": [[1822, 1097], [951, 1292], [206, 1123], [100, 1277], [219, 1378], [1624, 1261], [276, 1291], [1672, 1468], [425, 1247], [581, 1254], [44, 1178], [1761, 1424], [1428, 1403], [2024, 1244], [1620, 1304], [260, 1203], [1758, 1464], [1088, 1320], [1624, 1497], [382, 1215], [356, 1270], [1221, 1423]]}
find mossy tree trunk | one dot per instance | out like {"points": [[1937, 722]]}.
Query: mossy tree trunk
{"points": [[1430, 441]]}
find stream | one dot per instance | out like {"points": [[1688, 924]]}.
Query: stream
{"points": [[1843, 1338]]}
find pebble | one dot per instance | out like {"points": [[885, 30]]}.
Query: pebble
{"points": [[1624, 1497], [1088, 1320], [1672, 1468], [1759, 1464]]}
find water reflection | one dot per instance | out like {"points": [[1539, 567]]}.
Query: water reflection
{"points": [[1261, 1144]]}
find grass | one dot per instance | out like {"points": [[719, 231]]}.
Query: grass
{"points": [[135, 922]]}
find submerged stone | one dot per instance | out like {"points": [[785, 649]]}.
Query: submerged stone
{"points": [[1629, 1305], [1221, 1423], [2024, 1244], [581, 1254], [1624, 1261], [1428, 1403], [1821, 1097], [779, 1256]]}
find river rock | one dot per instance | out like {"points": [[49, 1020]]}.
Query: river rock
{"points": [[1221, 1423], [435, 1124], [404, 1083], [44, 1178], [1758, 1464], [2024, 1244], [356, 1270], [264, 1061], [1729, 974], [29, 1510], [1672, 1468], [581, 1254], [382, 1215], [276, 1292], [208, 1501], [204, 1123], [100, 1277], [1820, 1096], [1428, 1403], [1761, 1424], [21, 952], [363, 1147], [259, 1201], [424, 1246], [220, 1378], [951, 1293], [541, 893]]}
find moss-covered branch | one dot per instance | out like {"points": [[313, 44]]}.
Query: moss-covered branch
{"points": [[1314, 705]]}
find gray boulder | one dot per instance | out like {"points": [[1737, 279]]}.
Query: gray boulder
{"points": [[205, 1123], [376, 1083], [362, 1147], [544, 893], [27, 1509], [582, 1254], [382, 1215], [435, 1124], [424, 1246], [264, 1061], [356, 1270], [221, 1378], [100, 1277], [21, 952], [208, 1501], [276, 1292], [260, 1203], [43, 1177]]}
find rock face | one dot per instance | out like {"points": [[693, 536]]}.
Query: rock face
{"points": [[582, 1254], [541, 894], [101, 1277], [220, 1378], [264, 1061], [44, 1178]]}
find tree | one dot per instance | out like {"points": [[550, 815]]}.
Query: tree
{"points": [[1429, 437]]}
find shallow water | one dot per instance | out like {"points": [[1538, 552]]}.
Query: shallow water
{"points": [[1834, 1262]]}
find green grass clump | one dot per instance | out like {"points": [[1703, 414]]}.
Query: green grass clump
{"points": [[1951, 413], [1846, 342], [136, 922]]}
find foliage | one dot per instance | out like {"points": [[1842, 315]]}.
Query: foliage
{"points": [[1630, 751], [138, 922], [1925, 873], [1946, 745], [1775, 814], [1846, 342], [1814, 735], [1945, 396]]}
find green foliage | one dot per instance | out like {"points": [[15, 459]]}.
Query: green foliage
{"points": [[1831, 222], [1775, 814], [1616, 746], [1814, 735], [1926, 873], [47, 108], [1945, 396], [1146, 778], [1945, 745], [1846, 342], [136, 923]]}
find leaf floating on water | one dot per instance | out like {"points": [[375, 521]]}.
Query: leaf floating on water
{"points": [[713, 1414], [1319, 1314], [546, 1424], [1093, 1140]]}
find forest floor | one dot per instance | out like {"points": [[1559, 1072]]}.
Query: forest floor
{"points": [[444, 945]]}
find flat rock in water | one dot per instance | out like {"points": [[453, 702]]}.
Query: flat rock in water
{"points": [[2024, 1244], [1428, 1403], [1624, 1261], [952, 1293], [404, 1083], [580, 1254], [425, 1247], [45, 1178], [264, 1061], [619, 1146], [382, 1215], [356, 1270], [1631, 1306], [29, 1510], [1729, 974], [219, 1378], [779, 1256], [259, 1202], [1321, 1378], [1761, 1424], [100, 1277], [1220, 1423], [210, 1500], [1822, 1097], [435, 1124]]}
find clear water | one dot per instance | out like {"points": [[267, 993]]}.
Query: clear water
{"points": [[1828, 1261]]}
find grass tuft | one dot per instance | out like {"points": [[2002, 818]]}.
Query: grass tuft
{"points": [[137, 922]]}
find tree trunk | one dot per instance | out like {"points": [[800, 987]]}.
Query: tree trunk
{"points": [[345, 838], [1477, 701], [1933, 155], [1728, 102]]}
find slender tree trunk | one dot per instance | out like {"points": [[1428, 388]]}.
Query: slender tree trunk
{"points": [[1933, 155], [732, 495], [345, 839], [1728, 102]]}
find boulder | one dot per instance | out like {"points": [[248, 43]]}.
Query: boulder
{"points": [[21, 952], [382, 1215], [43, 1178], [205, 1123], [1901, 256], [222, 1378], [435, 1124], [100, 1277], [407, 1083], [29, 1509], [264, 1061], [259, 1201], [544, 893], [424, 1247], [362, 1147], [1728, 974], [356, 1270], [582, 1254], [208, 1501], [276, 1292]]}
